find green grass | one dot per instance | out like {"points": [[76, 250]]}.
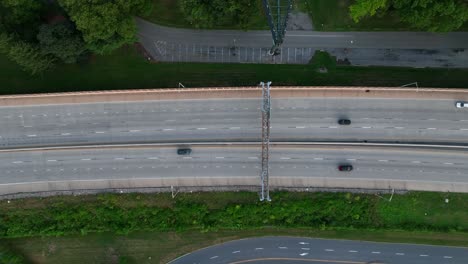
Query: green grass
{"points": [[414, 217], [333, 15], [167, 13], [126, 69]]}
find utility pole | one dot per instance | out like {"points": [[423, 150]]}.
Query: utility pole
{"points": [[277, 13], [266, 107]]}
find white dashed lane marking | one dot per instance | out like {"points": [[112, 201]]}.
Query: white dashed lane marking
{"points": [[423, 255], [258, 248], [283, 247], [447, 257], [235, 252], [375, 252], [213, 257], [400, 254], [352, 251], [304, 254], [329, 250]]}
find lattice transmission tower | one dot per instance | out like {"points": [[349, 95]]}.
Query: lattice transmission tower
{"points": [[266, 107], [277, 12]]}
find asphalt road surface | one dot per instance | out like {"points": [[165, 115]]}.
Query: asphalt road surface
{"points": [[413, 49], [292, 250], [293, 119], [234, 162]]}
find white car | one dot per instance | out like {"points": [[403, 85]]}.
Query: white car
{"points": [[461, 105]]}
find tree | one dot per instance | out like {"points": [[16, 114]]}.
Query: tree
{"points": [[429, 15], [20, 16], [29, 57], [363, 8], [105, 24], [211, 13], [62, 41]]}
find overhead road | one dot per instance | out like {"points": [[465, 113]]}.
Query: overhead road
{"points": [[299, 250], [232, 166], [386, 119]]}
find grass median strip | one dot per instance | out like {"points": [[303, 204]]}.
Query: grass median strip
{"points": [[133, 225], [125, 69]]}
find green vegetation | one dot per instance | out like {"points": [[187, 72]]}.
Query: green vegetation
{"points": [[39, 34], [220, 14], [125, 69], [334, 15], [211, 211], [9, 256], [106, 25], [176, 226], [428, 15]]}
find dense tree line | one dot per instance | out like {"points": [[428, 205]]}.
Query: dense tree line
{"points": [[426, 15], [213, 13], [39, 34]]}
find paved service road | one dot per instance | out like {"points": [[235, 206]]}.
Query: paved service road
{"points": [[293, 119], [237, 165], [292, 250], [413, 49]]}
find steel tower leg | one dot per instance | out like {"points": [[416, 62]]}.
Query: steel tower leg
{"points": [[277, 12]]}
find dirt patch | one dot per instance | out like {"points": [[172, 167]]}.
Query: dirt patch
{"points": [[299, 21]]}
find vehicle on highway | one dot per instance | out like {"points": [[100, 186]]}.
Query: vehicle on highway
{"points": [[345, 168], [461, 105], [184, 151], [345, 122]]}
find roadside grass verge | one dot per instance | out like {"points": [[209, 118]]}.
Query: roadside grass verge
{"points": [[167, 13], [135, 227], [333, 15], [126, 69]]}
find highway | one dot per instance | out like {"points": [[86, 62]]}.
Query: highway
{"points": [[292, 250], [233, 166], [211, 120]]}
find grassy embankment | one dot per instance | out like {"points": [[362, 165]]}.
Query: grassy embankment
{"points": [[125, 69], [156, 226]]}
